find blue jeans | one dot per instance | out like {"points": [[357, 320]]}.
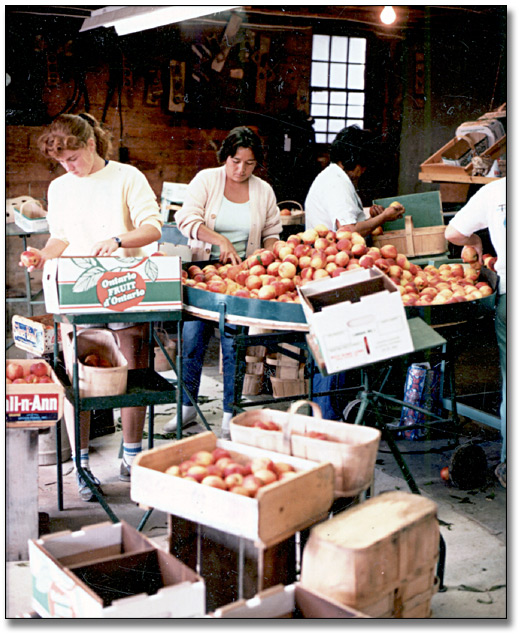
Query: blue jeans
{"points": [[196, 337], [500, 329], [331, 406]]}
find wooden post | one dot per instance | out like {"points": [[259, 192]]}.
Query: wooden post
{"points": [[22, 491]]}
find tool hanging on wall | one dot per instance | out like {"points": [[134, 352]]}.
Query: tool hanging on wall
{"points": [[227, 42], [264, 73], [177, 86]]}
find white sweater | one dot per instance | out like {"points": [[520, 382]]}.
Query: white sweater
{"points": [[203, 202], [110, 202]]}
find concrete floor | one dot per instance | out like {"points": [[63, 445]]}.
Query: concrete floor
{"points": [[473, 522]]}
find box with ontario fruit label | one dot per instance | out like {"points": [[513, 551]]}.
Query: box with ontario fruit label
{"points": [[253, 493], [34, 394], [112, 284]]}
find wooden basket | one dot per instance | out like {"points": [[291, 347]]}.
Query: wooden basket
{"points": [[297, 215], [94, 381], [352, 450], [288, 387], [380, 556], [161, 364], [415, 242], [252, 384]]}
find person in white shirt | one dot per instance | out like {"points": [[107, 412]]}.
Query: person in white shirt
{"points": [[487, 210], [333, 200], [99, 207]]}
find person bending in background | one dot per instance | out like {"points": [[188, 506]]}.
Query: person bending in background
{"points": [[487, 210], [99, 207], [227, 214], [333, 201]]}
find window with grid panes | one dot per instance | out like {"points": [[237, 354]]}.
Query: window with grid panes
{"points": [[337, 84]]}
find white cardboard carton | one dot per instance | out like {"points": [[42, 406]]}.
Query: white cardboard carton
{"points": [[112, 284], [291, 601], [111, 571], [356, 318]]}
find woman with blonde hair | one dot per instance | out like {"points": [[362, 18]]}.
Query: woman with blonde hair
{"points": [[98, 207]]}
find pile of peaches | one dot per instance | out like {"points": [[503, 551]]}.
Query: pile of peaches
{"points": [[270, 425], [320, 253], [220, 470], [37, 372]]}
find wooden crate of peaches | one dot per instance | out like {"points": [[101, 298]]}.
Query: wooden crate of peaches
{"points": [[351, 449], [320, 253], [242, 490]]}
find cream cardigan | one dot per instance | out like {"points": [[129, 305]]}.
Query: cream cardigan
{"points": [[203, 202]]}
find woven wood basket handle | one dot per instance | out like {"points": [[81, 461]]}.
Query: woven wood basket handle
{"points": [[292, 410], [294, 202]]}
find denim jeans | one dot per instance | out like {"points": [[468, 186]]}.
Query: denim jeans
{"points": [[196, 337], [500, 329], [332, 406]]}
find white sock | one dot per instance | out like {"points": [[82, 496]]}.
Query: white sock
{"points": [[227, 416], [84, 459], [130, 451]]}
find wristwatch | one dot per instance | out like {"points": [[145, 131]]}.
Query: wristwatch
{"points": [[117, 240]]}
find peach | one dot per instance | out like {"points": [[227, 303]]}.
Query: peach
{"points": [[388, 251], [321, 230], [294, 240], [395, 271], [214, 481], [342, 258], [302, 249], [321, 244], [173, 471], [267, 292], [318, 260], [267, 476], [359, 249], [273, 267], [320, 274], [344, 245], [287, 269], [403, 261], [469, 254], [261, 463], [203, 457], [253, 281], [198, 472], [366, 261], [240, 490], [284, 251], [291, 258], [342, 234], [233, 479], [252, 484], [14, 371], [309, 236], [331, 249], [357, 238]]}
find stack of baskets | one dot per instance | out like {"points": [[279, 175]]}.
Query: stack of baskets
{"points": [[255, 370], [286, 373]]}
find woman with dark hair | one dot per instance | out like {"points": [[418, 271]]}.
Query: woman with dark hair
{"points": [[227, 214], [99, 207], [333, 200]]}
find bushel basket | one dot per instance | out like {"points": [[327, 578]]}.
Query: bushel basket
{"points": [[351, 449], [99, 381]]}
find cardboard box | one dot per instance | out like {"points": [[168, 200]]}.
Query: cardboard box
{"points": [[34, 334], [291, 601], [110, 571], [112, 283], [31, 223], [279, 510], [355, 319], [35, 404]]}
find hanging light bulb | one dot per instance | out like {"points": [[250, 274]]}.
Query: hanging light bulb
{"points": [[388, 15]]}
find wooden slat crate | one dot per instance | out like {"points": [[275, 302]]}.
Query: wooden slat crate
{"points": [[278, 511], [415, 242]]}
